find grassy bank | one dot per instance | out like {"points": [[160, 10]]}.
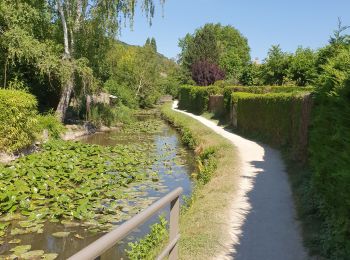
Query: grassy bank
{"points": [[205, 223]]}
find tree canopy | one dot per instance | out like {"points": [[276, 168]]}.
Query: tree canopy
{"points": [[220, 45]]}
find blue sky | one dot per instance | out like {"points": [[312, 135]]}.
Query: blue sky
{"points": [[264, 22]]}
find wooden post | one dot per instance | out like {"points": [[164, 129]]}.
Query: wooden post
{"points": [[174, 227]]}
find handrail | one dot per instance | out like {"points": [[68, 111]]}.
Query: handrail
{"points": [[101, 245]]}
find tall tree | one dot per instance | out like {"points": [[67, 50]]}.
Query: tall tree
{"points": [[154, 44], [73, 14], [223, 46], [275, 67]]}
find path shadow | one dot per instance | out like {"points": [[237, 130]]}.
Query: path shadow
{"points": [[270, 230]]}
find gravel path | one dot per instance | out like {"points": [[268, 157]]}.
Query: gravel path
{"points": [[263, 219]]}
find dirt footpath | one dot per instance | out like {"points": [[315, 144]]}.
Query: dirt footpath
{"points": [[264, 225]]}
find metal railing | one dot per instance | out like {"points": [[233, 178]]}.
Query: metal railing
{"points": [[101, 245]]}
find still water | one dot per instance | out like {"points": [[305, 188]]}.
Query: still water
{"points": [[173, 163]]}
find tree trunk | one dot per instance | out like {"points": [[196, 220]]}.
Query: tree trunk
{"points": [[64, 100], [69, 84]]}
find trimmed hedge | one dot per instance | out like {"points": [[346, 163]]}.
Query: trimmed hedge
{"points": [[195, 99], [18, 119], [227, 92], [276, 118]]}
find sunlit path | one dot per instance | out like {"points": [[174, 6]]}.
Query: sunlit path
{"points": [[263, 217]]}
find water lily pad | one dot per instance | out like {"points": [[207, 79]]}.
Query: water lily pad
{"points": [[3, 226], [26, 224], [50, 256], [10, 217], [61, 234], [15, 241], [35, 254], [21, 249], [18, 231], [68, 223]]}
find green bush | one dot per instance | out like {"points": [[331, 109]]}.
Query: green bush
{"points": [[195, 99], [106, 115], [227, 92], [143, 249], [124, 114], [275, 118], [330, 155], [102, 114], [52, 124], [18, 119], [125, 95]]}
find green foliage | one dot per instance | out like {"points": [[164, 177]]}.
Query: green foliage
{"points": [[102, 114], [72, 182], [125, 95], [18, 119], [330, 154], [252, 75], [302, 67], [206, 159], [275, 67], [50, 122], [220, 45], [143, 249], [195, 99], [207, 164], [138, 75], [273, 117]]}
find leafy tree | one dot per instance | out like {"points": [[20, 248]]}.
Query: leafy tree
{"points": [[138, 75], [275, 67], [302, 67], [205, 73], [74, 15], [223, 46], [252, 75]]}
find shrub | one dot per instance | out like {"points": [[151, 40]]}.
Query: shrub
{"points": [[124, 114], [330, 155], [52, 124], [195, 99], [18, 119], [143, 248], [106, 115], [205, 73], [276, 118], [126, 96], [102, 114]]}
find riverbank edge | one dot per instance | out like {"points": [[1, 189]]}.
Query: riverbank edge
{"points": [[72, 133], [205, 224]]}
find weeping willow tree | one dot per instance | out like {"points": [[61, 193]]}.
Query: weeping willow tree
{"points": [[61, 40], [105, 15]]}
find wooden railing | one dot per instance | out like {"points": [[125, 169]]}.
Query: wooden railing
{"points": [[101, 245]]}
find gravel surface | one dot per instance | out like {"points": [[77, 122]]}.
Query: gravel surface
{"points": [[263, 219]]}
